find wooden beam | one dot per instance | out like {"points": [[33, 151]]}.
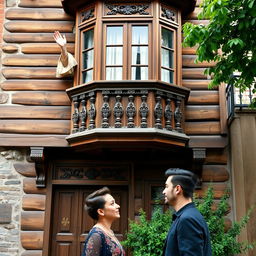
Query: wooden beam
{"points": [[196, 84], [34, 37], [197, 22], [215, 173], [45, 48], [36, 85], [40, 112], [22, 140], [202, 113], [198, 128], [30, 60], [216, 156], [33, 202], [36, 27], [189, 62], [25, 169], [37, 14], [32, 220], [203, 97], [29, 73], [219, 189], [210, 141], [41, 98], [193, 73], [35, 126], [32, 240], [29, 187], [189, 50], [40, 3]]}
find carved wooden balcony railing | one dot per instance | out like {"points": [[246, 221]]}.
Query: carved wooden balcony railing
{"points": [[127, 112]]}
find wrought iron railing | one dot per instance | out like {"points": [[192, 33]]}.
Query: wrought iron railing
{"points": [[238, 99]]}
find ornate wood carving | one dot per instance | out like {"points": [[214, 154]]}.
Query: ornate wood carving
{"points": [[168, 14], [131, 110], [105, 112], [127, 9], [75, 116], [83, 113], [178, 115], [158, 112], [87, 15], [168, 115], [37, 155], [118, 112], [92, 111], [144, 110]]}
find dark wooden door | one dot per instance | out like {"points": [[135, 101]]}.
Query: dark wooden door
{"points": [[71, 224]]}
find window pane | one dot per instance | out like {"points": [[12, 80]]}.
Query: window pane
{"points": [[167, 75], [87, 76], [167, 58], [114, 73], [167, 38], [88, 59], [140, 35], [139, 55], [88, 39], [114, 56], [139, 73], [114, 35]]}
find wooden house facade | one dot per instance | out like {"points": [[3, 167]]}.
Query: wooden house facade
{"points": [[136, 106]]}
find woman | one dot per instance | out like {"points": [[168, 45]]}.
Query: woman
{"points": [[101, 241]]}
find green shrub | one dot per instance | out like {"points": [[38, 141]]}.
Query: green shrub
{"points": [[146, 238]]}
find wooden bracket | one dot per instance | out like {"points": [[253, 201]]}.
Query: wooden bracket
{"points": [[37, 156], [199, 155]]}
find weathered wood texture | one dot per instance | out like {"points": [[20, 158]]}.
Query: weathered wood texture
{"points": [[37, 14], [30, 112], [32, 220], [45, 48], [29, 187], [41, 98], [33, 202], [36, 85], [202, 113], [34, 37], [32, 240], [25, 169], [36, 126], [40, 3], [213, 173], [36, 27]]}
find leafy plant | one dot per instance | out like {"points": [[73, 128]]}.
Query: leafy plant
{"points": [[146, 237], [229, 40]]}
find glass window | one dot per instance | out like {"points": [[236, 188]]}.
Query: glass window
{"points": [[87, 55], [139, 61], [114, 53], [167, 56]]}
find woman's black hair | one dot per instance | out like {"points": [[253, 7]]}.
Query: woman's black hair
{"points": [[96, 201]]}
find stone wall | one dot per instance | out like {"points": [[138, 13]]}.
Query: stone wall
{"points": [[11, 193]]}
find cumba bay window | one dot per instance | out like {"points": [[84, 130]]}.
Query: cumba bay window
{"points": [[128, 43]]}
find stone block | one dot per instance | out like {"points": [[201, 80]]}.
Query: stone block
{"points": [[11, 3], [3, 98], [12, 182]]}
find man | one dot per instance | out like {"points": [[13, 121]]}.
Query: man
{"points": [[189, 234]]}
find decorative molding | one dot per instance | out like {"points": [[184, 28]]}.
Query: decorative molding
{"points": [[37, 156], [131, 111], [168, 115], [105, 112], [86, 15], [168, 14], [158, 112], [118, 112], [127, 9]]}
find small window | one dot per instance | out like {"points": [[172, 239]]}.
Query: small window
{"points": [[87, 55], [167, 55]]}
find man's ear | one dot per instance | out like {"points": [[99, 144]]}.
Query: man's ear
{"points": [[178, 189], [100, 212]]}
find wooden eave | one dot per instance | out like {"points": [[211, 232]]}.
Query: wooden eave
{"points": [[186, 6]]}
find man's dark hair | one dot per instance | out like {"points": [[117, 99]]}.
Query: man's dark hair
{"points": [[96, 201], [186, 179]]}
